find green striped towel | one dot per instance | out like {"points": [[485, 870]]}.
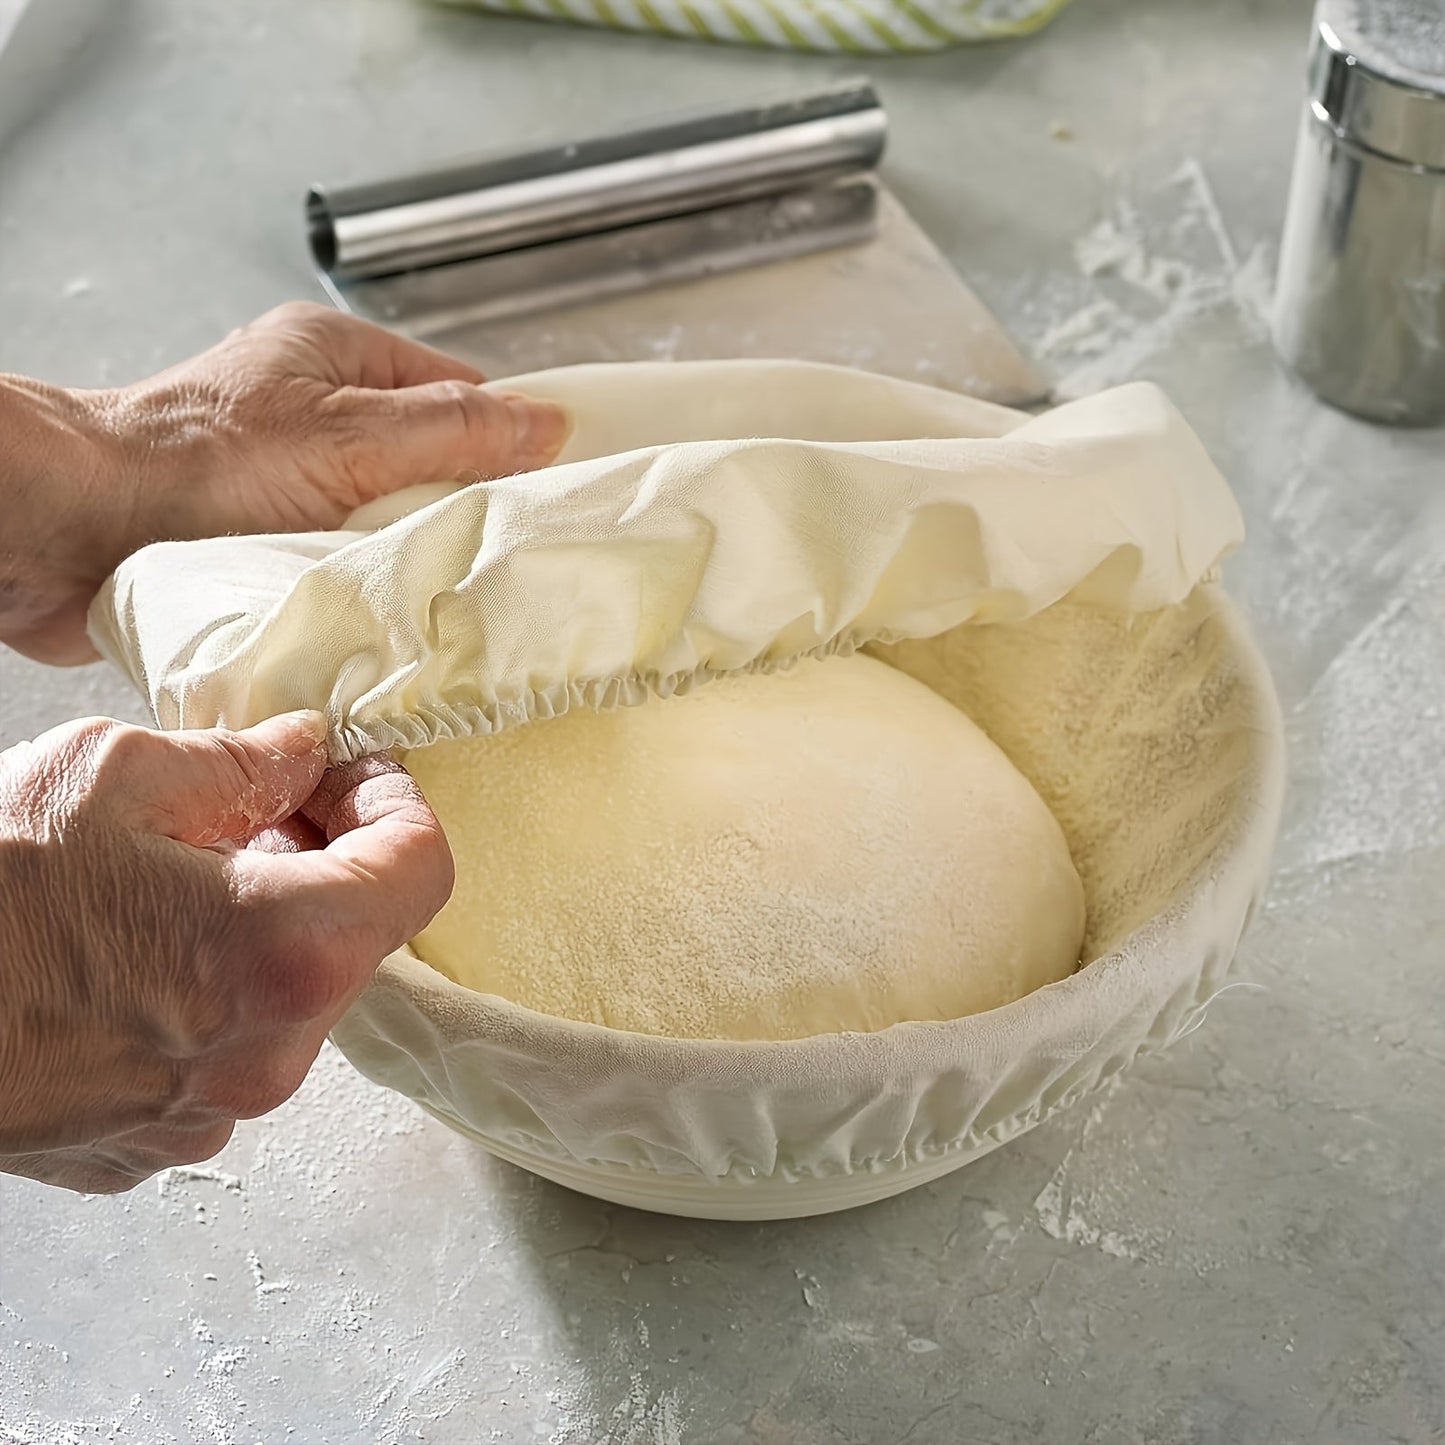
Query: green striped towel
{"points": [[852, 25]]}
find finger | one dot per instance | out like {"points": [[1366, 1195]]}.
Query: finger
{"points": [[59, 638], [384, 361], [381, 829], [386, 844], [379, 824], [207, 786], [77, 1170], [160, 1146], [443, 430], [384, 875], [354, 352], [254, 1077], [295, 834], [349, 796], [329, 917]]}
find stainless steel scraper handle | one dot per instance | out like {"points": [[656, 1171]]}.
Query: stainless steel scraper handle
{"points": [[696, 163]]}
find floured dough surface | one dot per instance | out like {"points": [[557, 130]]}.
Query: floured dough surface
{"points": [[826, 849]]}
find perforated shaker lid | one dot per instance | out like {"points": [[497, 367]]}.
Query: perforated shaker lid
{"points": [[1377, 76]]}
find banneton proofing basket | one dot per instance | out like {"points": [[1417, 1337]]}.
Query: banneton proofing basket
{"points": [[1053, 576]]}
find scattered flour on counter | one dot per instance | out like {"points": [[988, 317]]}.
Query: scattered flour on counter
{"points": [[1088, 331], [218, 1403], [1116, 246], [1152, 272], [1003, 1232], [1371, 731], [1088, 1184], [258, 1277], [223, 1362], [812, 1291], [646, 1417], [169, 1180], [311, 1160], [34, 1431], [643, 1416], [327, 1146], [1061, 1220]]}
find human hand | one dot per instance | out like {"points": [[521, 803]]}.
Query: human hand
{"points": [[159, 978], [287, 425]]}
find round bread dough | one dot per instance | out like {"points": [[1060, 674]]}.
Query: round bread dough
{"points": [[820, 850]]}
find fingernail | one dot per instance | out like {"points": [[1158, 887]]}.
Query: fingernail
{"points": [[538, 427]]}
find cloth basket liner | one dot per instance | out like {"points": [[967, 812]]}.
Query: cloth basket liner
{"points": [[1055, 576]]}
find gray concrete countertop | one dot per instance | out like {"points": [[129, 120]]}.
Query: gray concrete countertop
{"points": [[1240, 1243]]}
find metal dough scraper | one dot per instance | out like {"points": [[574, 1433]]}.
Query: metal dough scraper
{"points": [[755, 232]]}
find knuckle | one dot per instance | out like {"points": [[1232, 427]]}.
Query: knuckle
{"points": [[114, 753], [92, 730], [313, 985], [470, 406], [291, 314], [55, 775], [231, 749], [462, 393], [298, 974]]}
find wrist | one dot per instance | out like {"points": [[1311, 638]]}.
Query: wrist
{"points": [[164, 440], [68, 512]]}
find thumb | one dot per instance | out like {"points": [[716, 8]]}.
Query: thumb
{"points": [[214, 785], [446, 429]]}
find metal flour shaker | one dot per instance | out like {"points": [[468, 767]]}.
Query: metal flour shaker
{"points": [[1360, 300]]}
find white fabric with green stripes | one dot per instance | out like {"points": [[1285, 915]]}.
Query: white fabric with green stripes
{"points": [[851, 25]]}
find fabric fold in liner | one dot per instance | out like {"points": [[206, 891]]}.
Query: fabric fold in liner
{"points": [[678, 537]]}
